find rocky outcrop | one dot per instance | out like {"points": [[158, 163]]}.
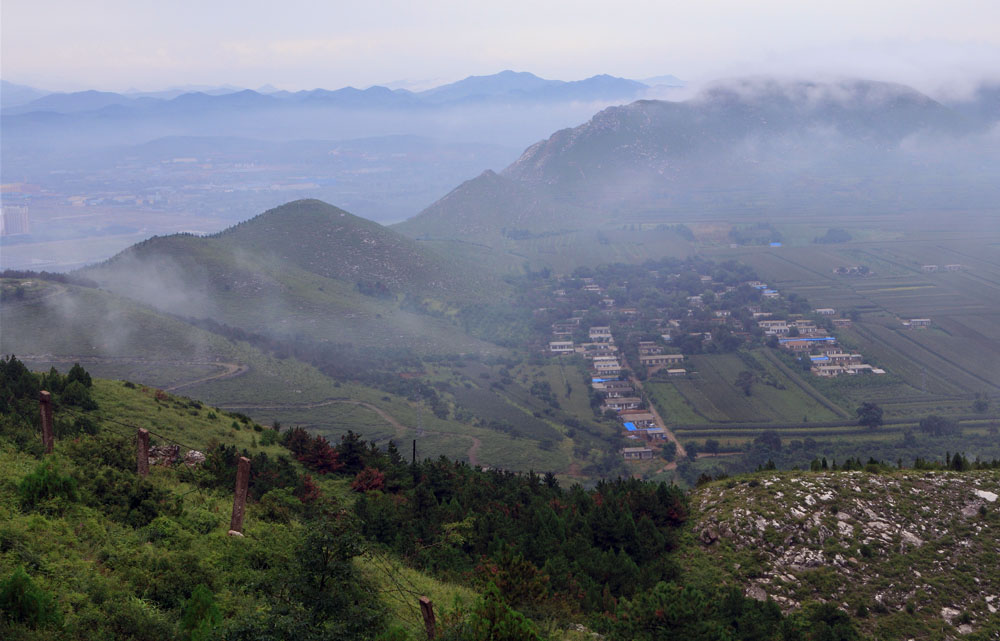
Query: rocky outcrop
{"points": [[903, 542]]}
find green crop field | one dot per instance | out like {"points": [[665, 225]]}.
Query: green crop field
{"points": [[710, 394], [930, 370]]}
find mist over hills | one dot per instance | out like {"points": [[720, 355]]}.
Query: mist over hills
{"points": [[743, 148], [305, 268], [138, 164]]}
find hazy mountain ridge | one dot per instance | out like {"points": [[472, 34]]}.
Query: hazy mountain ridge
{"points": [[792, 144], [329, 241], [506, 86]]}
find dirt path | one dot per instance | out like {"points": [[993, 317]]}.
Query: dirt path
{"points": [[232, 371], [681, 452]]}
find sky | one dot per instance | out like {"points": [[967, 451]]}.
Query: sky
{"points": [[116, 45]]}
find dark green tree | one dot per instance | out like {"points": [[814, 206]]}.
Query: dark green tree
{"points": [[938, 425], [869, 415], [745, 381]]}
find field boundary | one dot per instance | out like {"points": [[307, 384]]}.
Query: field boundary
{"points": [[804, 386]]}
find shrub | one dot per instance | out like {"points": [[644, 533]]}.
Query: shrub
{"points": [[490, 619], [21, 601], [279, 505], [46, 483], [200, 615], [127, 498]]}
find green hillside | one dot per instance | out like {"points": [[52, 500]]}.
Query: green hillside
{"points": [[330, 242], [308, 269], [56, 324], [340, 538]]}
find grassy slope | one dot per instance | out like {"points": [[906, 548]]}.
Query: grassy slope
{"points": [[111, 335], [56, 325], [70, 550]]}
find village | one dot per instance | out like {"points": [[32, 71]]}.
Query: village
{"points": [[724, 316]]}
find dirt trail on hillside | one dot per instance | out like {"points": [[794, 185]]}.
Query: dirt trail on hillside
{"points": [[230, 370], [401, 429]]}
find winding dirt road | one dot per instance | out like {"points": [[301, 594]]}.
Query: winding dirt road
{"points": [[230, 370]]}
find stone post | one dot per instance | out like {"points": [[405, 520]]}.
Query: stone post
{"points": [[45, 407], [240, 499], [427, 609], [142, 452]]}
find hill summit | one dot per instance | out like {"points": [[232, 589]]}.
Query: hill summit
{"points": [[328, 241]]}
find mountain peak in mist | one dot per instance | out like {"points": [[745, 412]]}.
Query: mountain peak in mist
{"points": [[749, 140]]}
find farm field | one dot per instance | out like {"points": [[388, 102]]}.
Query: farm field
{"points": [[939, 368], [710, 395]]}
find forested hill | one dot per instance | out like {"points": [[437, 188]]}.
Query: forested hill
{"points": [[340, 539]]}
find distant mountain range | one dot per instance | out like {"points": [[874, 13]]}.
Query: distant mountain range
{"points": [[745, 147], [503, 87]]}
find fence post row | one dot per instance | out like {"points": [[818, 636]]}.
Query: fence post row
{"points": [[240, 498], [142, 469], [45, 408], [142, 452], [427, 609]]}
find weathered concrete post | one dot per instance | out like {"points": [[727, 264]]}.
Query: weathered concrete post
{"points": [[427, 609], [240, 500], [45, 407], [142, 452]]}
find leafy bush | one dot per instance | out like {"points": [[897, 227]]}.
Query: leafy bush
{"points": [[279, 505], [127, 498], [21, 601], [200, 616], [46, 483], [489, 619]]}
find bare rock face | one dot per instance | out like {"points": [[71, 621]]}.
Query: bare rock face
{"points": [[709, 536], [164, 454], [842, 537], [194, 458]]}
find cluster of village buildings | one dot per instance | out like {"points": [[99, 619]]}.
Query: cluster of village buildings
{"points": [[808, 340], [800, 336], [618, 391], [804, 337]]}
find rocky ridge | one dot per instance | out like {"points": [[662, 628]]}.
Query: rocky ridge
{"points": [[903, 551]]}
